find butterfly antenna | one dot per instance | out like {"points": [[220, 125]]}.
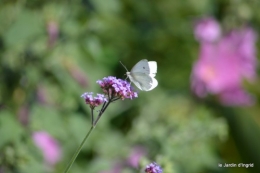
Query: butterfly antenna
{"points": [[125, 68], [123, 65]]}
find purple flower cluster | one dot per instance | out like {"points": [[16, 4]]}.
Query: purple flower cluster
{"points": [[224, 62], [94, 101], [116, 88], [153, 168]]}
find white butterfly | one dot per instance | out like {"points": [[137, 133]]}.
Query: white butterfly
{"points": [[142, 75]]}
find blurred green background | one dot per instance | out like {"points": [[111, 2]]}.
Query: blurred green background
{"points": [[51, 52]]}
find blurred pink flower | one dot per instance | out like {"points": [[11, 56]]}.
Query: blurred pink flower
{"points": [[235, 96], [207, 29], [222, 66], [49, 146], [137, 153]]}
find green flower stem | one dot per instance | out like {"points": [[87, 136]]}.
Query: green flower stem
{"points": [[94, 123], [101, 112], [78, 150], [92, 116]]}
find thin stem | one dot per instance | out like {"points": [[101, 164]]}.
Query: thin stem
{"points": [[115, 99], [101, 112], [78, 150], [92, 116], [102, 107]]}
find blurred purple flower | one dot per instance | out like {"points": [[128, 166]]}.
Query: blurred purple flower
{"points": [[49, 146], [153, 168], [23, 115], [79, 76], [53, 32], [207, 29], [116, 88], [76, 73], [42, 95], [2, 170], [94, 101], [222, 66], [135, 156]]}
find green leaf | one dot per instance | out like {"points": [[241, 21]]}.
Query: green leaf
{"points": [[10, 129], [27, 26]]}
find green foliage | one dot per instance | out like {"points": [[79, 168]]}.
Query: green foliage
{"points": [[53, 51], [8, 122]]}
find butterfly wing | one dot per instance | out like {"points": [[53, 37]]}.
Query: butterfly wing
{"points": [[152, 68], [143, 81], [141, 67]]}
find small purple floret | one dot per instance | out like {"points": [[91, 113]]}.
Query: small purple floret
{"points": [[94, 101], [153, 168], [116, 88]]}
